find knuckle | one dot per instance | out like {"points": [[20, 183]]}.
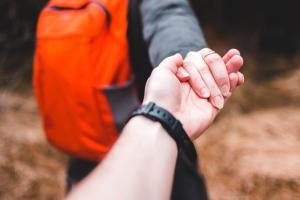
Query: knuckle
{"points": [[212, 58], [205, 50], [190, 54], [204, 71], [203, 87], [155, 71], [214, 90], [188, 63], [222, 80], [198, 80]]}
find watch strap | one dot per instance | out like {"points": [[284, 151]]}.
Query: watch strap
{"points": [[171, 125]]}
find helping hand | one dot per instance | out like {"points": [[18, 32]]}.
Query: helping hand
{"points": [[166, 90], [212, 76]]}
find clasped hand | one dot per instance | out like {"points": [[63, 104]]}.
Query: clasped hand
{"points": [[194, 89]]}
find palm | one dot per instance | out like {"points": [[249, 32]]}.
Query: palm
{"points": [[165, 89], [195, 112]]}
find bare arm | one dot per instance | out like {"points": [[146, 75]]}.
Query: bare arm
{"points": [[141, 163], [140, 166]]}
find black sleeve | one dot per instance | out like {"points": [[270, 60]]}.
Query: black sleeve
{"points": [[169, 27]]}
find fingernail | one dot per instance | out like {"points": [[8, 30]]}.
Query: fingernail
{"points": [[218, 101], [205, 92], [225, 90], [184, 73]]}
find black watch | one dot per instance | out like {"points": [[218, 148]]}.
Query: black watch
{"points": [[171, 125]]}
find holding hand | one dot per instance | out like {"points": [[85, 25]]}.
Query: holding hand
{"points": [[168, 89], [212, 76], [145, 144]]}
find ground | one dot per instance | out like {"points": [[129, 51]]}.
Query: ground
{"points": [[252, 151]]}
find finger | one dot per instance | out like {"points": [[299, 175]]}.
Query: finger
{"points": [[216, 97], [218, 69], [172, 62], [233, 77], [234, 64], [241, 78], [230, 54], [196, 81], [182, 74], [195, 59]]}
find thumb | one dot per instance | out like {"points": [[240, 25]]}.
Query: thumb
{"points": [[172, 63]]}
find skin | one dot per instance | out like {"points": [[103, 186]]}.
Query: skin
{"points": [[141, 164], [190, 100], [210, 75]]}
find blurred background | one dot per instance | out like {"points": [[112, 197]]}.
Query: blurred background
{"points": [[251, 152]]}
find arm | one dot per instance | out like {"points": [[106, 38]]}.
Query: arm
{"points": [[169, 27], [141, 163], [140, 166]]}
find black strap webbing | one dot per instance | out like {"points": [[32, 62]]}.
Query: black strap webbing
{"points": [[138, 50]]}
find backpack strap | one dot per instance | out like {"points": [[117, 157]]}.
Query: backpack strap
{"points": [[138, 49]]}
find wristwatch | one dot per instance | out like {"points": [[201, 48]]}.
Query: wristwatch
{"points": [[171, 125]]}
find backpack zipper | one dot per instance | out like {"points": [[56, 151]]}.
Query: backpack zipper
{"points": [[99, 5]]}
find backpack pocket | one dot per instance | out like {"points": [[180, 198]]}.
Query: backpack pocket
{"points": [[122, 101]]}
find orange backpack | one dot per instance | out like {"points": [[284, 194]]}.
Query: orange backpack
{"points": [[82, 77]]}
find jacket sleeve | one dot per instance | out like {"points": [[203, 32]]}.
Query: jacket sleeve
{"points": [[169, 27]]}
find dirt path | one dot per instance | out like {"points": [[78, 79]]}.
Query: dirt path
{"points": [[253, 149], [29, 167]]}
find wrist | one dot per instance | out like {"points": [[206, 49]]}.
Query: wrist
{"points": [[170, 124], [149, 130], [161, 104]]}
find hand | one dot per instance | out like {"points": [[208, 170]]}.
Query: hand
{"points": [[210, 75], [166, 90]]}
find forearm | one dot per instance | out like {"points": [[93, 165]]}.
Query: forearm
{"points": [[140, 165], [169, 27]]}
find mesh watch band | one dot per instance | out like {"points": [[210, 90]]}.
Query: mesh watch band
{"points": [[171, 125]]}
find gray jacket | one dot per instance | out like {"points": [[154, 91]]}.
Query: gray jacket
{"points": [[169, 27]]}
